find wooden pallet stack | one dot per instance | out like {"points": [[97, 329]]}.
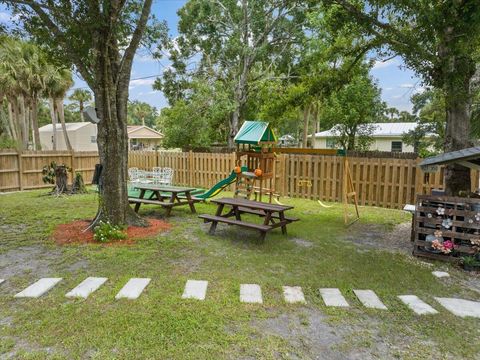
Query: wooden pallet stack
{"points": [[458, 220]]}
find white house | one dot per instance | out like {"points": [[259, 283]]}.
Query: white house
{"points": [[386, 137], [83, 137]]}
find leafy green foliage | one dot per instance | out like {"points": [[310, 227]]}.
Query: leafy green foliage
{"points": [[142, 113], [235, 43], [7, 143], [351, 110], [105, 232], [199, 120], [428, 137]]}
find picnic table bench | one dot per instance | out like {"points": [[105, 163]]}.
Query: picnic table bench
{"points": [[164, 196], [274, 215]]}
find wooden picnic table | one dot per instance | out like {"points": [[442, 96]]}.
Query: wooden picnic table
{"points": [[274, 215], [164, 196]]}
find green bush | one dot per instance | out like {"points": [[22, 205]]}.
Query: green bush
{"points": [[105, 232]]}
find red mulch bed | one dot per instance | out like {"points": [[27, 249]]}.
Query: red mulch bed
{"points": [[73, 233]]}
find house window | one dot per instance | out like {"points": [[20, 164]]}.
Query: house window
{"points": [[93, 139], [397, 146], [331, 143]]}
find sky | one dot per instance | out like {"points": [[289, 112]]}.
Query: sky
{"points": [[396, 82]]}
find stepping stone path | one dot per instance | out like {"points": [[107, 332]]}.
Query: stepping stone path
{"points": [[38, 288], [293, 294], [195, 289], [369, 299], [251, 293], [460, 307], [418, 306], [333, 297], [440, 274], [86, 287], [133, 288]]}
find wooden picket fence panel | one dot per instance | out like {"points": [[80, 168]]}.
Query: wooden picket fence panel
{"points": [[384, 182]]}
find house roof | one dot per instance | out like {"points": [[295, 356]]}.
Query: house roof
{"points": [[469, 157], [380, 129], [73, 126], [255, 132], [143, 132], [286, 137]]}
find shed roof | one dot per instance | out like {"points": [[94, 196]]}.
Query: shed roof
{"points": [[469, 157], [73, 126], [255, 132]]}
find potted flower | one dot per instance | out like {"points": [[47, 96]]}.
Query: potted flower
{"points": [[470, 263]]}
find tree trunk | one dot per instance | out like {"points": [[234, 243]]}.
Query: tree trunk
{"points": [[23, 121], [315, 127], [61, 116], [11, 121], [306, 118], [36, 132], [112, 140], [53, 116], [61, 180], [81, 110], [457, 137], [240, 100]]}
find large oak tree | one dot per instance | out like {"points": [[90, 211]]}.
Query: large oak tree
{"points": [[99, 37], [440, 41]]}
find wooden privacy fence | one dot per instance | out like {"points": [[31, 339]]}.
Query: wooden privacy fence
{"points": [[384, 182], [23, 171]]}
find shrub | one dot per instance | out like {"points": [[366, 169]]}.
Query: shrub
{"points": [[105, 232]]}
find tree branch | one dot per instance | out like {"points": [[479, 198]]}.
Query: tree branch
{"points": [[127, 60], [58, 36]]}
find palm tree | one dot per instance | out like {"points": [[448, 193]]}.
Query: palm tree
{"points": [[57, 84], [82, 96], [140, 110]]}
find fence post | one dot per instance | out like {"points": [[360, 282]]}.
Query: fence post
{"points": [[20, 170], [418, 179], [191, 170]]}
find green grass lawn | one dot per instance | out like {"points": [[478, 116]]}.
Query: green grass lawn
{"points": [[160, 325]]}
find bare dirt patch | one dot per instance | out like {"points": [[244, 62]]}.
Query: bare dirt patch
{"points": [[375, 236], [311, 335], [74, 232]]}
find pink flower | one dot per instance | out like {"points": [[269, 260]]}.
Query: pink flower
{"points": [[448, 245]]}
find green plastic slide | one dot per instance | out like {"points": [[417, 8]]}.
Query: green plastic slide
{"points": [[220, 185]]}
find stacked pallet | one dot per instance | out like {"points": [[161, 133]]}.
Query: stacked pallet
{"points": [[446, 219]]}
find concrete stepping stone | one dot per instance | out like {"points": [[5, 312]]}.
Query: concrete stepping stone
{"points": [[460, 307], [195, 289], [133, 288], [416, 305], [293, 294], [333, 297], [38, 288], [369, 299], [251, 293], [440, 274], [86, 287]]}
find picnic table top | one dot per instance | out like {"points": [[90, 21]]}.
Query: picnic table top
{"points": [[163, 188], [251, 204]]}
